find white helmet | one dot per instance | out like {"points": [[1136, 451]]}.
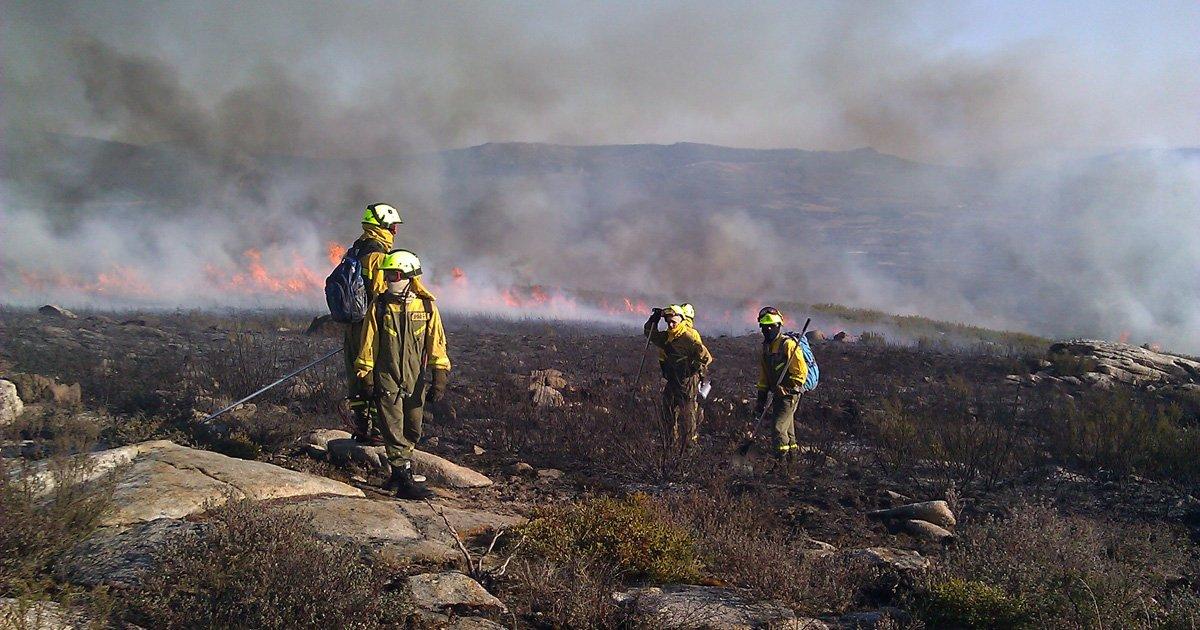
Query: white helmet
{"points": [[382, 215], [403, 261]]}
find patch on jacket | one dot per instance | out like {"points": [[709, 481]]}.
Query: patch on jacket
{"points": [[419, 316]]}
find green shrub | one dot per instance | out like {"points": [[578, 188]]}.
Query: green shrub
{"points": [[238, 445], [960, 603], [253, 566], [1067, 364], [631, 534], [37, 526]]}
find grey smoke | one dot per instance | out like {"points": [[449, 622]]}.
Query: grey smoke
{"points": [[229, 87]]}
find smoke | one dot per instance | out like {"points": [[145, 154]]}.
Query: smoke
{"points": [[256, 133]]}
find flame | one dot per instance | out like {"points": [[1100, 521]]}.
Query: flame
{"points": [[334, 252], [1124, 338], [118, 280]]}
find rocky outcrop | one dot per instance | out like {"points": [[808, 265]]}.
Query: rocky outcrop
{"points": [[161, 479], [57, 312], [1121, 362], [119, 556], [452, 592], [901, 560], [711, 608], [38, 388], [545, 388], [11, 405]]}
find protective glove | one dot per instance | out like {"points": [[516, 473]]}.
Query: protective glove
{"points": [[364, 375], [438, 390], [760, 405]]}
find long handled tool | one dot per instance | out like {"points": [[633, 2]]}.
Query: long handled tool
{"points": [[749, 441], [641, 364], [281, 380]]}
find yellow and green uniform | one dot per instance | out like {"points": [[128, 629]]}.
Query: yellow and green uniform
{"points": [[402, 340], [377, 241], [782, 357], [683, 359]]}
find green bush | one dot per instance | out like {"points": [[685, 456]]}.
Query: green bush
{"points": [[960, 603], [1067, 364], [631, 534], [253, 566]]}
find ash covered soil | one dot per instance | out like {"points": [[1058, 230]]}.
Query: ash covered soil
{"points": [[1051, 478]]}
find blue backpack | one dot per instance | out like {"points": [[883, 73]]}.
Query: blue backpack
{"points": [[345, 288], [814, 373]]}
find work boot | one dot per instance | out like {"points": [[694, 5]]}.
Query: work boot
{"points": [[403, 483]]}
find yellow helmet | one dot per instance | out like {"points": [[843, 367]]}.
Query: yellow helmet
{"points": [[689, 311], [403, 261], [381, 214], [674, 309], [769, 315]]}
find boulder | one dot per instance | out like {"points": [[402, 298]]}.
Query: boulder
{"points": [[686, 606], [815, 336], [901, 560], [454, 592], [160, 479], [841, 335], [59, 312], [346, 450], [11, 405], [925, 530], [317, 442], [120, 556], [544, 396], [936, 512], [521, 469], [445, 473], [549, 378], [38, 388]]}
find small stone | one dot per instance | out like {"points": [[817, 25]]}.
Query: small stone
{"points": [[451, 591], [521, 469], [478, 450], [549, 473], [925, 530]]}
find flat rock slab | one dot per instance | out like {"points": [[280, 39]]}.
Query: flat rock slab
{"points": [[161, 479], [119, 556], [710, 608], [360, 520]]}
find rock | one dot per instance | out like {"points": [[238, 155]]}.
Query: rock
{"points": [[927, 531], [11, 405], [316, 443], [358, 519], [549, 473], [869, 620], [812, 543], [119, 556], [38, 388], [244, 411], [544, 396], [445, 473], [842, 336], [900, 559], [685, 606], [345, 450], [936, 512], [895, 496], [162, 479], [1130, 364], [550, 378], [40, 615], [522, 469], [815, 336], [451, 591], [51, 310], [477, 450]]}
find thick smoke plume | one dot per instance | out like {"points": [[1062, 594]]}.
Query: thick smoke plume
{"points": [[257, 132]]}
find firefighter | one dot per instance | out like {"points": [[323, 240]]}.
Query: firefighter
{"points": [[380, 222], [403, 357], [781, 375], [684, 361]]}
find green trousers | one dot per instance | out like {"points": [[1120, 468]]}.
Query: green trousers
{"points": [[781, 421], [400, 421], [356, 390], [680, 411]]}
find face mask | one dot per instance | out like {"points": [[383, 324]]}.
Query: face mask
{"points": [[770, 333], [399, 287]]}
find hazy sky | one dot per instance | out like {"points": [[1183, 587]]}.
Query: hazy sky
{"points": [[940, 81]]}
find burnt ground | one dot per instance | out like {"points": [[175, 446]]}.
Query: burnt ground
{"points": [[888, 423]]}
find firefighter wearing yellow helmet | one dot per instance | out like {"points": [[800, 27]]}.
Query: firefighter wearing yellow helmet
{"points": [[380, 223], [403, 356], [781, 375], [684, 360]]}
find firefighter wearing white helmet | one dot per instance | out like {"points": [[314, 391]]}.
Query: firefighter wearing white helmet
{"points": [[403, 358], [380, 222], [683, 359]]}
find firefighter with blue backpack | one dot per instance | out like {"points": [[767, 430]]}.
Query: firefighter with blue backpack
{"points": [[380, 222], [783, 377]]}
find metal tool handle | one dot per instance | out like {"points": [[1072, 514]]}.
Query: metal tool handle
{"points": [[282, 379]]}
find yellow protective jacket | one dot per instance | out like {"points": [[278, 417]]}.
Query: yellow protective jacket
{"points": [[681, 351], [373, 278], [782, 354], [400, 340]]}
